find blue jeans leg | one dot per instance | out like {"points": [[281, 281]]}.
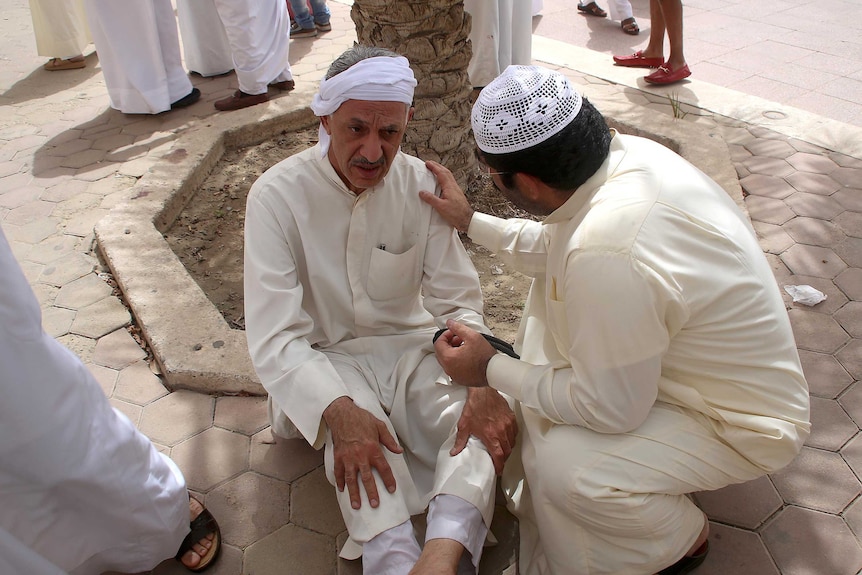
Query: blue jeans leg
{"points": [[301, 15]]}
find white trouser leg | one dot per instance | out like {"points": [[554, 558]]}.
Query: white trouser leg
{"points": [[393, 552], [450, 517]]}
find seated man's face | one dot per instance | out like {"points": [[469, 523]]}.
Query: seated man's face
{"points": [[365, 138]]}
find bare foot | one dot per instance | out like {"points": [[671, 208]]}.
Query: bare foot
{"points": [[193, 557]]}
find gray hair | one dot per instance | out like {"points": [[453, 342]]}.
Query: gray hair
{"points": [[354, 55]]}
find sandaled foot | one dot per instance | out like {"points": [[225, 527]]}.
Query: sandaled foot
{"points": [[201, 546], [73, 63], [630, 26], [592, 9]]}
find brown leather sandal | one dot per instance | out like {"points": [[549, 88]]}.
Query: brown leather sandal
{"points": [[630, 26], [592, 9]]}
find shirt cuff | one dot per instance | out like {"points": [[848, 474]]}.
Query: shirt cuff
{"points": [[506, 374], [484, 229]]}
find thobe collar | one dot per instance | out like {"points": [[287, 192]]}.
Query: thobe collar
{"points": [[585, 192]]}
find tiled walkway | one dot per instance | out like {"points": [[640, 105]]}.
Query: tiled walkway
{"points": [[66, 159]]}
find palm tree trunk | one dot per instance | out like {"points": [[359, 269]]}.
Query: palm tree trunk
{"points": [[432, 34]]}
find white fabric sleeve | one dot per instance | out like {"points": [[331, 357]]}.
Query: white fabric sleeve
{"points": [[615, 314], [520, 243], [300, 379], [450, 284]]}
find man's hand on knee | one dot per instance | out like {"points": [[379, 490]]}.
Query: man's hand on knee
{"points": [[488, 417], [356, 439]]}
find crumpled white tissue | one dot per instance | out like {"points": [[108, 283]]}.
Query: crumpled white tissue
{"points": [[805, 294]]}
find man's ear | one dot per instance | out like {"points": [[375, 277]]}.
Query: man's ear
{"points": [[324, 121], [529, 186], [410, 113]]}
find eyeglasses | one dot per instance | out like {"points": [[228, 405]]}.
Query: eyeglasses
{"points": [[484, 169]]}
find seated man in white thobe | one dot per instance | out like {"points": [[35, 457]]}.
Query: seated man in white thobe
{"points": [[657, 357], [348, 276], [139, 51], [259, 35], [82, 491]]}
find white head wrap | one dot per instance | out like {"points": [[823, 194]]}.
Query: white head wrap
{"points": [[522, 107], [382, 79]]}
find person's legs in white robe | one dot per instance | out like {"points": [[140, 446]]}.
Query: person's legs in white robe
{"points": [[139, 50]]}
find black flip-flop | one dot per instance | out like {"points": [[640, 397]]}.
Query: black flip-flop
{"points": [[200, 527], [497, 343]]}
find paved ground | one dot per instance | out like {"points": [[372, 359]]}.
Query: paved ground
{"points": [[66, 159]]}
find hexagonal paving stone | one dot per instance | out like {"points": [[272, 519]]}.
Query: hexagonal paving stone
{"points": [[851, 401], [106, 377], [768, 210], [831, 427], [247, 415], [850, 282], [736, 552], [82, 292], [291, 550], [745, 505], [850, 198], [139, 385], [772, 149], [847, 176], [813, 261], [766, 186], [313, 504], [814, 163], [802, 481], [177, 416], [850, 223], [850, 251], [130, 410], [101, 318], [813, 183], [850, 318], [211, 457], [772, 238], [850, 357], [772, 166], [57, 321], [117, 350], [285, 459], [67, 268], [826, 377], [814, 232], [250, 507], [805, 541], [816, 332], [814, 205]]}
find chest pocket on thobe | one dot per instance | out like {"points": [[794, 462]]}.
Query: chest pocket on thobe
{"points": [[392, 275]]}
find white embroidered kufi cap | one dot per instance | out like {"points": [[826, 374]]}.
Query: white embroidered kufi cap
{"points": [[522, 107]]}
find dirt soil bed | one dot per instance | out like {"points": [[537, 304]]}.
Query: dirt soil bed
{"points": [[208, 235]]}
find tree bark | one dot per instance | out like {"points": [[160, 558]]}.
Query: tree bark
{"points": [[432, 35]]}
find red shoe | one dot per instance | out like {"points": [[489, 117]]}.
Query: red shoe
{"points": [[638, 60], [664, 75]]}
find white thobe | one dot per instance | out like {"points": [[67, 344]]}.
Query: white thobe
{"points": [[82, 491], [657, 360], [501, 35], [343, 294], [139, 51], [60, 27], [259, 36], [205, 44]]}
